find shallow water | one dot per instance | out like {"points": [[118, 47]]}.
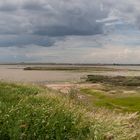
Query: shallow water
{"points": [[15, 73]]}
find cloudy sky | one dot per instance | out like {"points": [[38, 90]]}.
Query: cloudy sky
{"points": [[78, 31]]}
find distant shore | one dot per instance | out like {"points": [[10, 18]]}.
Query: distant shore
{"points": [[77, 64]]}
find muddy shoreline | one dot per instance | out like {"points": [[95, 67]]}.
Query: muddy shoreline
{"points": [[16, 73]]}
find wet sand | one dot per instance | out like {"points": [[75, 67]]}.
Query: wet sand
{"points": [[15, 73]]}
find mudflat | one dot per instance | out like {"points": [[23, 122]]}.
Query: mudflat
{"points": [[16, 73]]}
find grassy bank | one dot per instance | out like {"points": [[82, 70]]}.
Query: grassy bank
{"points": [[30, 112]]}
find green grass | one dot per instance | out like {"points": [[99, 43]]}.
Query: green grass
{"points": [[24, 115], [34, 113], [103, 99]]}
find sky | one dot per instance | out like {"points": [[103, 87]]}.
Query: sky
{"points": [[70, 31]]}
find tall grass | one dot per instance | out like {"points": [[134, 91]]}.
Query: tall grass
{"points": [[33, 113]]}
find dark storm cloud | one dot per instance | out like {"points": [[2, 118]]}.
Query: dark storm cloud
{"points": [[138, 21], [64, 30], [6, 6], [65, 17], [53, 18], [30, 5], [25, 40]]}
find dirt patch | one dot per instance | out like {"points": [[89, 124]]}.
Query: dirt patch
{"points": [[65, 87]]}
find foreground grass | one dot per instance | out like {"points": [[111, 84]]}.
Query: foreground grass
{"points": [[28, 112]]}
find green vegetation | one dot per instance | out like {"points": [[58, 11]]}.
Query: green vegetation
{"points": [[115, 80], [116, 92], [123, 103], [26, 114], [30, 112], [70, 68]]}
